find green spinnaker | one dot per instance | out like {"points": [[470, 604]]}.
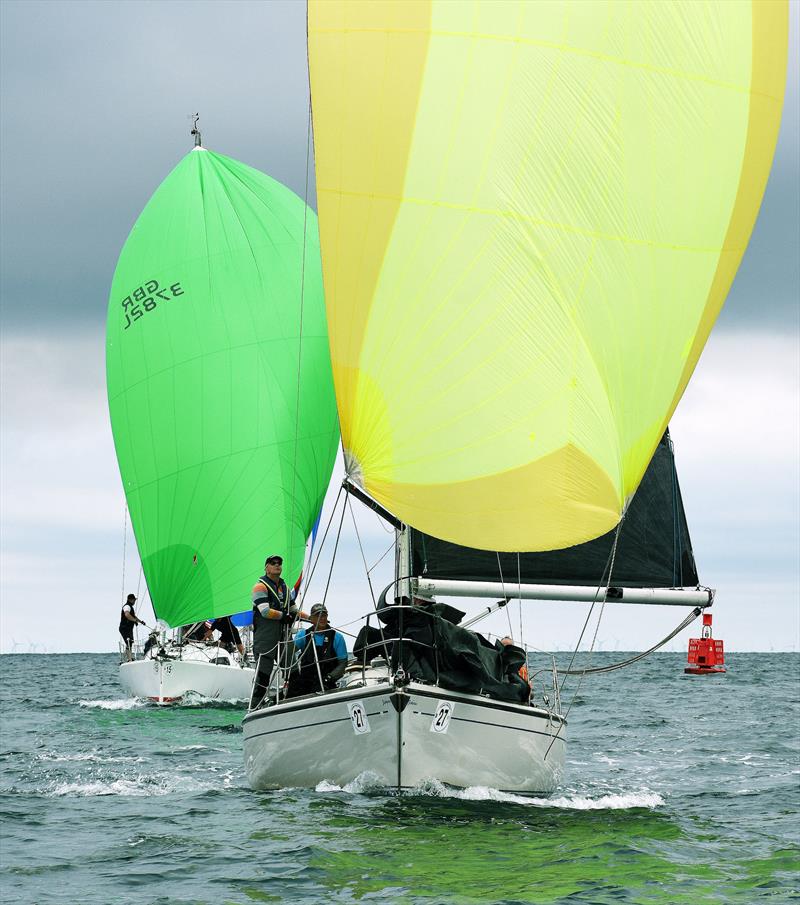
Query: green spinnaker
{"points": [[219, 384]]}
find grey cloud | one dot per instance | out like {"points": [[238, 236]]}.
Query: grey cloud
{"points": [[94, 115]]}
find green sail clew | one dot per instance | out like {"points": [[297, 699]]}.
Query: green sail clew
{"points": [[219, 384]]}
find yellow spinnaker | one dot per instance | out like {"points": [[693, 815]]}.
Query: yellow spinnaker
{"points": [[530, 216]]}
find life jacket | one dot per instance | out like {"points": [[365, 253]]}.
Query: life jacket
{"points": [[268, 630], [126, 625], [326, 655]]}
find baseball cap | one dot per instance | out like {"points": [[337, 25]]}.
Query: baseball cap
{"points": [[274, 559], [318, 608], [131, 597]]}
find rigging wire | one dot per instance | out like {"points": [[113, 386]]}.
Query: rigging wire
{"points": [[369, 581], [606, 569], [519, 601], [612, 666], [582, 673], [333, 558], [322, 542], [124, 547], [302, 303], [503, 589], [361, 549], [381, 558]]}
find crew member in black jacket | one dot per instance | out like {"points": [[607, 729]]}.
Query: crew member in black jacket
{"points": [[274, 611]]}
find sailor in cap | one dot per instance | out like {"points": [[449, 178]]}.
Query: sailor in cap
{"points": [[127, 620], [274, 610]]}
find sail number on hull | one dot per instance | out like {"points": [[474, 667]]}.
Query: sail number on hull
{"points": [[358, 717], [441, 719]]}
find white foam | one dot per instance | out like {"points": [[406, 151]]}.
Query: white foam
{"points": [[195, 699], [364, 782], [605, 759], [116, 704], [91, 756], [326, 786], [612, 802], [621, 802], [746, 758], [137, 787]]}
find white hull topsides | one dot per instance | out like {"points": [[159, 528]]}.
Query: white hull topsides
{"points": [[166, 680], [402, 737]]}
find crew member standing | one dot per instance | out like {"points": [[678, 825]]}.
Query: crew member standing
{"points": [[127, 620], [274, 611]]}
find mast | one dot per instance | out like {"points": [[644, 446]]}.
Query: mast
{"points": [[198, 138], [404, 561]]}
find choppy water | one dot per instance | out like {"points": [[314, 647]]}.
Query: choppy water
{"points": [[680, 789]]}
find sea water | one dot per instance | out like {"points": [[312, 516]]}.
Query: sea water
{"points": [[679, 789]]}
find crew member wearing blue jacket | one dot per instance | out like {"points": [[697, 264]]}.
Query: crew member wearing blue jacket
{"points": [[330, 660]]}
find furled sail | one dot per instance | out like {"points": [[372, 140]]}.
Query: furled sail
{"points": [[219, 383], [530, 216], [654, 549]]}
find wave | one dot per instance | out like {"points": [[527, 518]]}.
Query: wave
{"points": [[608, 802], [90, 756], [114, 704], [364, 782], [195, 699], [190, 699], [370, 782], [135, 787]]}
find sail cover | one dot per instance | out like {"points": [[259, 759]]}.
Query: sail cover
{"points": [[530, 216], [653, 551], [219, 384]]}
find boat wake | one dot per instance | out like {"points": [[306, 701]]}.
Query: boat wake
{"points": [[94, 756], [138, 785], [611, 802], [115, 704], [134, 787], [195, 699], [367, 783]]}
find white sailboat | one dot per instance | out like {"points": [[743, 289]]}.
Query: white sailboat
{"points": [[170, 672], [401, 734], [426, 698], [530, 217]]}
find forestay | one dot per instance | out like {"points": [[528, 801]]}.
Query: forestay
{"points": [[530, 215], [219, 383]]}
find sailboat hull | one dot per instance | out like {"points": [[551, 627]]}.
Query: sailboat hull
{"points": [[403, 738], [169, 681]]}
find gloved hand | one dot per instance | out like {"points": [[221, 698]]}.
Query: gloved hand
{"points": [[287, 619]]}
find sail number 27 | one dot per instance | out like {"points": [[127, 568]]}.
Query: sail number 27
{"points": [[358, 717], [441, 719]]}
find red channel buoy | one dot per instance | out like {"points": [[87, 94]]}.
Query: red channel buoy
{"points": [[706, 654]]}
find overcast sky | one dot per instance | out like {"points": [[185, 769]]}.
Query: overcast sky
{"points": [[95, 105]]}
